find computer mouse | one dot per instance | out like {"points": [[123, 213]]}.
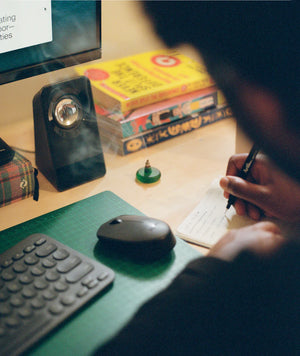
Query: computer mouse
{"points": [[140, 237]]}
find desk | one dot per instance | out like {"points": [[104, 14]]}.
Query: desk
{"points": [[188, 164]]}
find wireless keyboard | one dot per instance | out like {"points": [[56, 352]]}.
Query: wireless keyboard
{"points": [[42, 282]]}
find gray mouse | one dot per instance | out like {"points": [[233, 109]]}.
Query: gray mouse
{"points": [[140, 237]]}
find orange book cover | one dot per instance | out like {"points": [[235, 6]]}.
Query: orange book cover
{"points": [[135, 81]]}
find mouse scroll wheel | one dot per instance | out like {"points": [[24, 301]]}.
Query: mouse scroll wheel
{"points": [[115, 221]]}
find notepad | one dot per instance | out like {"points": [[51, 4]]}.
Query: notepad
{"points": [[207, 223]]}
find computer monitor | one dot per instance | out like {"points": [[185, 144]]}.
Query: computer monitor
{"points": [[39, 36]]}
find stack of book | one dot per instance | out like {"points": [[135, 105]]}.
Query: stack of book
{"points": [[151, 97]]}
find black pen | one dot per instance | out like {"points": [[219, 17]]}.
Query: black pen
{"points": [[244, 171]]}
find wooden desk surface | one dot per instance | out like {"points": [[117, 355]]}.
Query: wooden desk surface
{"points": [[188, 164]]}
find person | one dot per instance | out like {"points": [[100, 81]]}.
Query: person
{"points": [[243, 297]]}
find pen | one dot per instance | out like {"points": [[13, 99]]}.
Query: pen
{"points": [[244, 171]]}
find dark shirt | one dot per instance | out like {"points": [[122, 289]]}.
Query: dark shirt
{"points": [[249, 306]]}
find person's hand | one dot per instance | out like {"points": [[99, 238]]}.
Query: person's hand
{"points": [[263, 238], [267, 190]]}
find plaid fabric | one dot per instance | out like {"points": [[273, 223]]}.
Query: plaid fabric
{"points": [[17, 180]]}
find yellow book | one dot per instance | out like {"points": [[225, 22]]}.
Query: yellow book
{"points": [[135, 81]]}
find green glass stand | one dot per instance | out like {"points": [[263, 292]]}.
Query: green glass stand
{"points": [[148, 174]]}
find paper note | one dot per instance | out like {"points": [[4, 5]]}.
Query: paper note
{"points": [[207, 223]]}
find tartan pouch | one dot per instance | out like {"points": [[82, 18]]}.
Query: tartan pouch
{"points": [[18, 180]]}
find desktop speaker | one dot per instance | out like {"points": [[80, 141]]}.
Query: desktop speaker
{"points": [[67, 141]]}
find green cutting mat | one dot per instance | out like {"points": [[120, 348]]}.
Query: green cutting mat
{"points": [[76, 226]]}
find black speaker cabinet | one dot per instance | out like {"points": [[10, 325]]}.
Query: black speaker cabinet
{"points": [[67, 141]]}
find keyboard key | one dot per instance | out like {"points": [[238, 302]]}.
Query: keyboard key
{"points": [[68, 300], [40, 284], [49, 295], [60, 286], [31, 260], [5, 309], [69, 264], [16, 301], [8, 276], [7, 263], [90, 282], [18, 256], [103, 275], [52, 276], [25, 279], [29, 292], [61, 254], [25, 312], [46, 250], [4, 295], [93, 284], [29, 248], [48, 263], [14, 287], [56, 309], [38, 303], [20, 267], [40, 241], [78, 273], [87, 280], [82, 292], [37, 271], [12, 322]]}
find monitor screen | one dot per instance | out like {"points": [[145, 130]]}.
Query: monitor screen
{"points": [[38, 36]]}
